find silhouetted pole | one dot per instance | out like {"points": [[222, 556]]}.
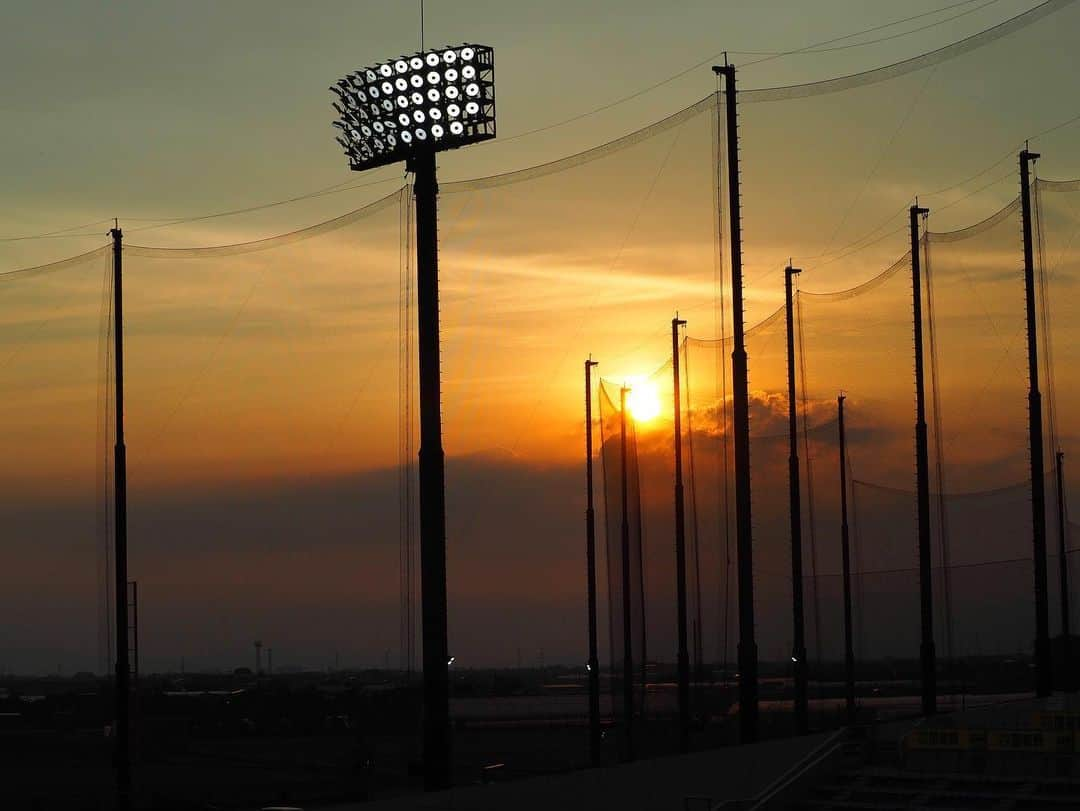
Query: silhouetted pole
{"points": [[798, 651], [927, 653], [432, 482], [680, 549], [849, 646], [122, 729], [1043, 675], [628, 638], [1063, 574], [748, 657], [590, 557]]}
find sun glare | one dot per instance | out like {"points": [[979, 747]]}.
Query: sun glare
{"points": [[642, 401]]}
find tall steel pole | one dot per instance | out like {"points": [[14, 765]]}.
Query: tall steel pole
{"points": [[122, 729], [437, 769], [748, 655], [1043, 675], [680, 548], [798, 651], [849, 646], [927, 652], [628, 637], [1063, 574], [590, 564]]}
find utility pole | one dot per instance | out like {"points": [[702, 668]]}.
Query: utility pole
{"points": [[122, 729], [1063, 573], [748, 655], [590, 565], [798, 652], [680, 548], [628, 639], [849, 646], [1043, 675], [927, 652], [432, 481]]}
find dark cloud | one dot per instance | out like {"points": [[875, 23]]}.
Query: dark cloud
{"points": [[311, 564]]}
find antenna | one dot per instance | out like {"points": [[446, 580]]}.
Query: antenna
{"points": [[421, 25]]}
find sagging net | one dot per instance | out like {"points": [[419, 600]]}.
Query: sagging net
{"points": [[251, 397], [859, 341], [266, 419], [1057, 254], [592, 247], [991, 610], [56, 430], [630, 583], [534, 264], [264, 409], [651, 464]]}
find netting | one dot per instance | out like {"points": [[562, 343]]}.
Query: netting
{"points": [[579, 253], [536, 265], [55, 430], [859, 341], [1057, 217], [651, 455], [975, 325], [261, 381], [270, 433], [912, 64], [630, 580], [992, 609], [260, 393], [856, 341], [711, 488]]}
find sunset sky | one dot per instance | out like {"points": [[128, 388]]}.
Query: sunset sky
{"points": [[263, 386]]}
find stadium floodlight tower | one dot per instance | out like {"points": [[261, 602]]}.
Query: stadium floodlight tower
{"points": [[409, 109]]}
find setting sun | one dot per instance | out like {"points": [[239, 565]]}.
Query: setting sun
{"points": [[642, 401]]}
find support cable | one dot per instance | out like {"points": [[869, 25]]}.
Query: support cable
{"points": [[1042, 279], [696, 526], [810, 503], [941, 54], [946, 621]]}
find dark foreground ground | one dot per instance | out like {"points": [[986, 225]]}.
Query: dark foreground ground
{"points": [[240, 742]]}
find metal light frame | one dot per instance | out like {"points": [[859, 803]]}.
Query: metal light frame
{"points": [[439, 99]]}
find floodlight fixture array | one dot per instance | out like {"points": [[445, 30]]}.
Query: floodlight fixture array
{"points": [[429, 101]]}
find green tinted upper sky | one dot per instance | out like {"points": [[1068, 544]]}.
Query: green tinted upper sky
{"points": [[140, 109]]}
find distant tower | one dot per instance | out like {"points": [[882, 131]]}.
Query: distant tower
{"points": [[258, 657]]}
